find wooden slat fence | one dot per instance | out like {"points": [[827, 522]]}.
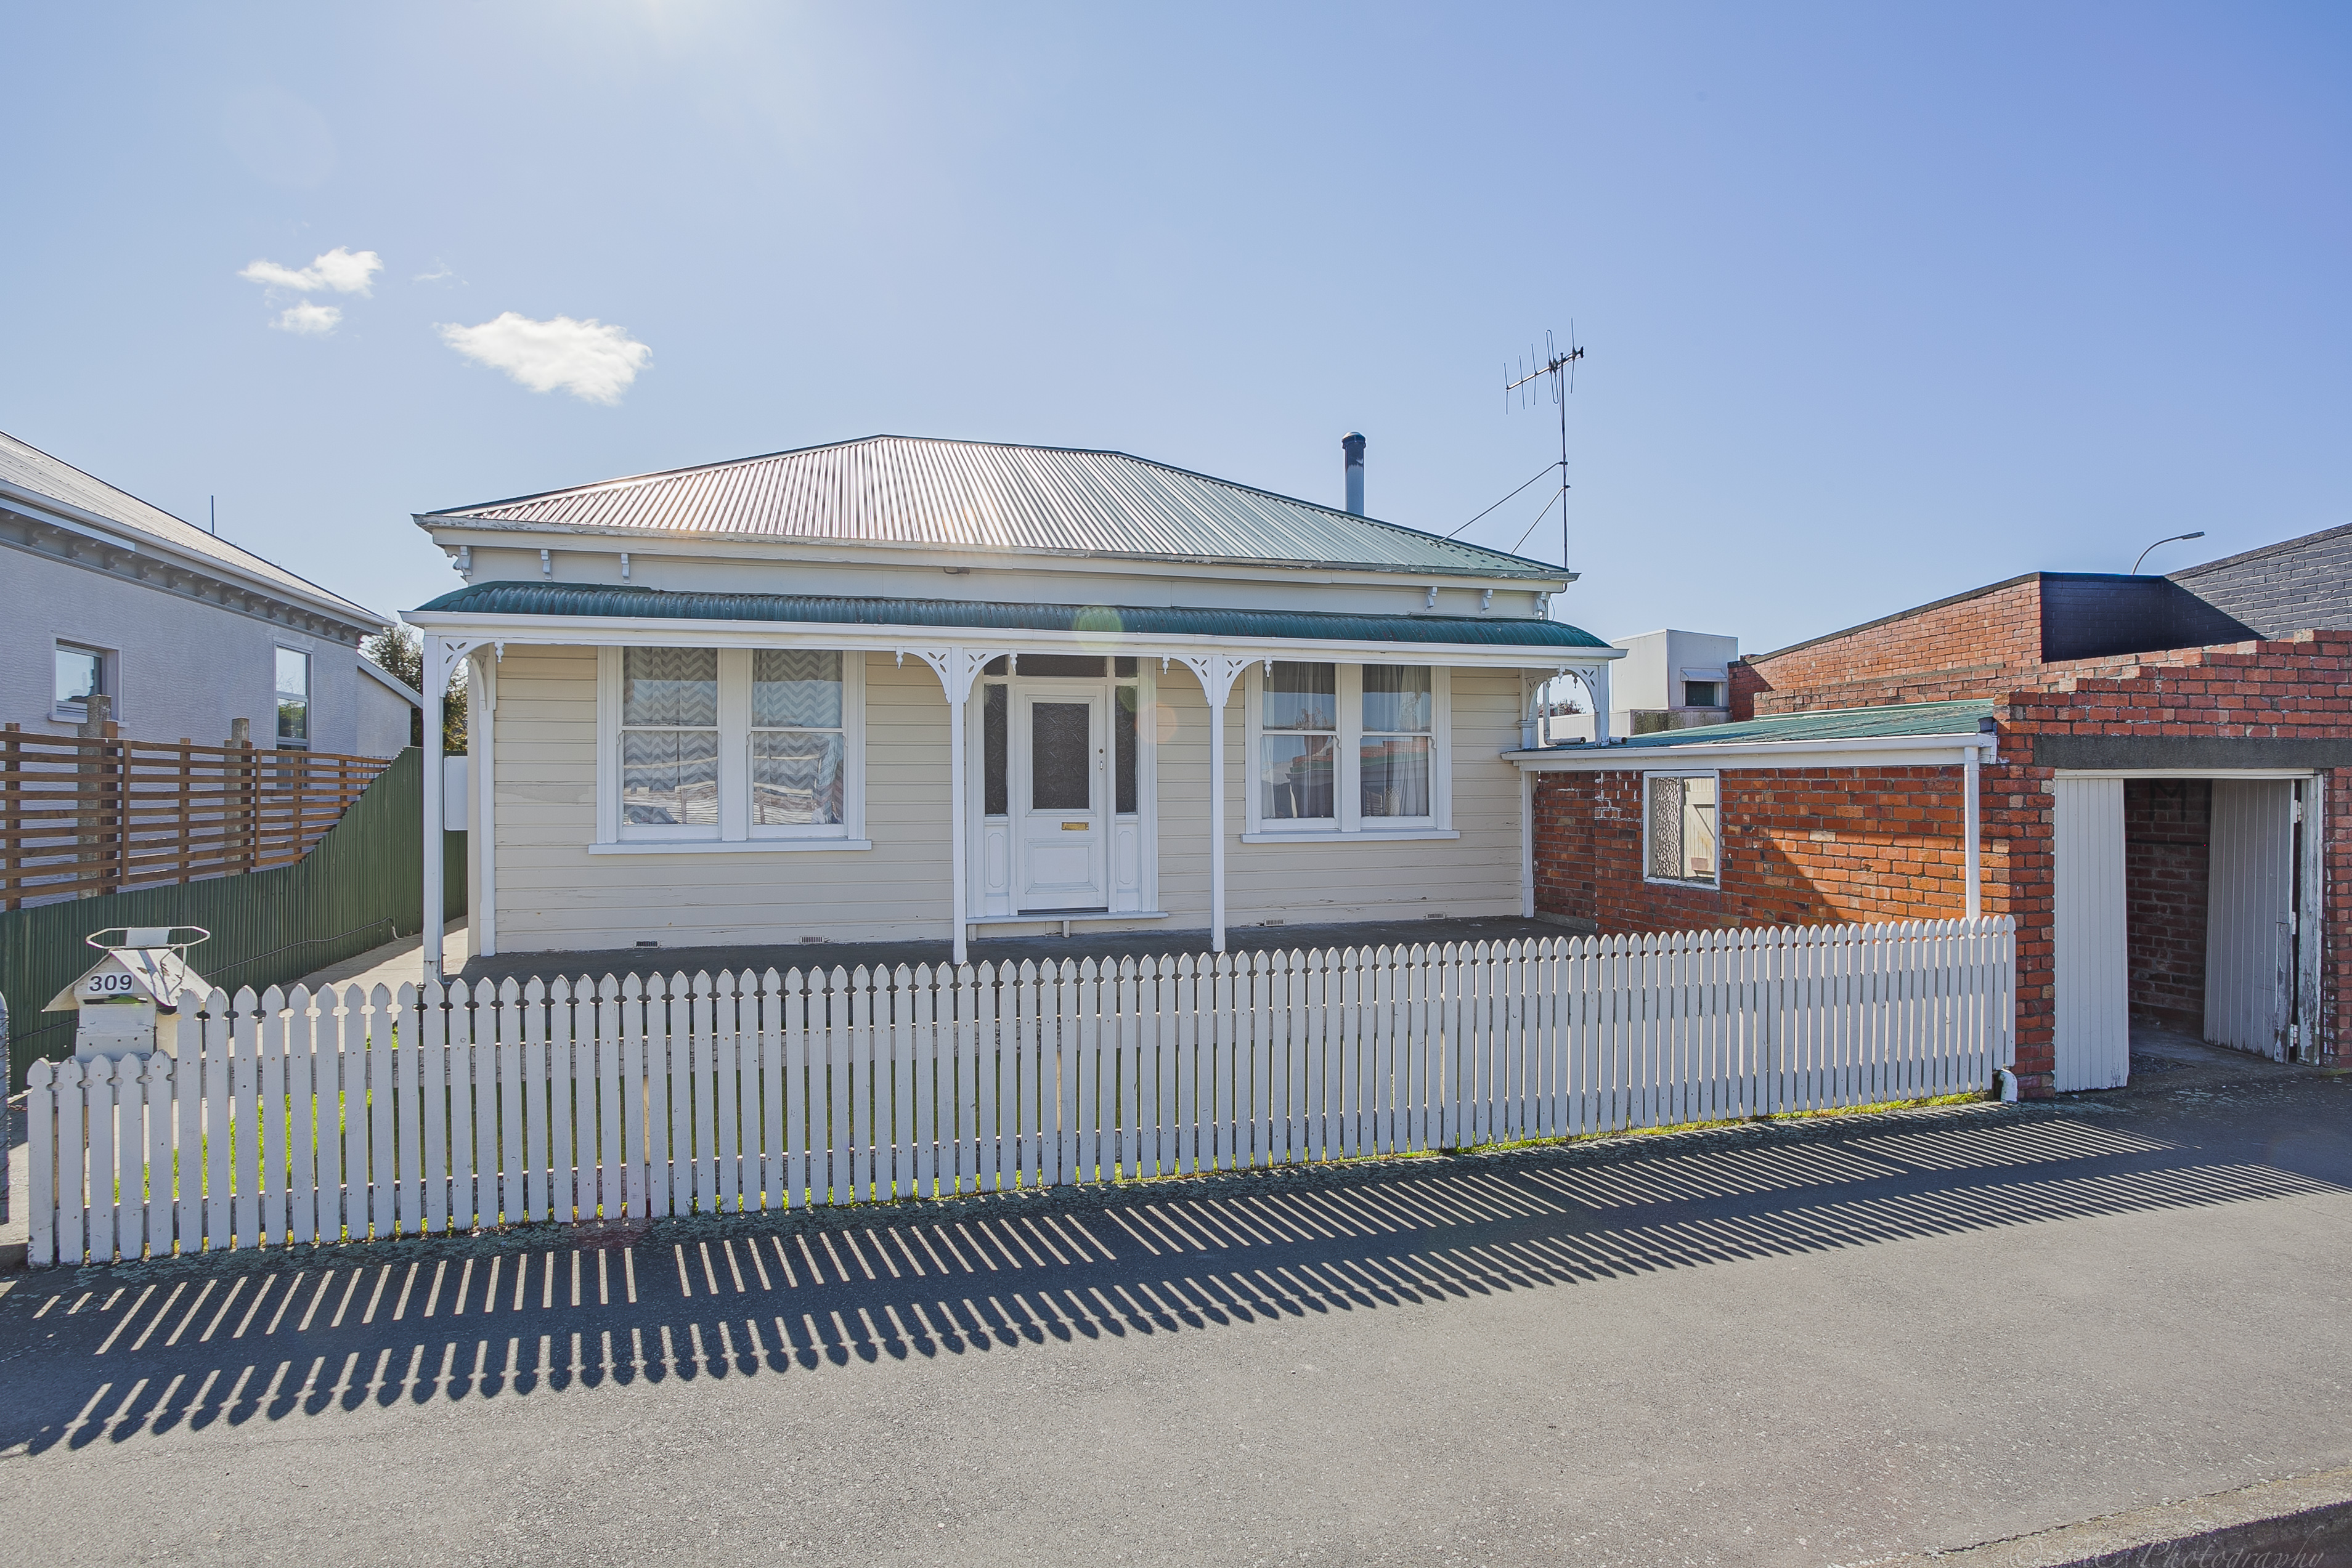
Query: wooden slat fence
{"points": [[90, 815], [299, 1118]]}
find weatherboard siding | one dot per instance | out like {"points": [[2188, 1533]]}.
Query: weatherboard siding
{"points": [[553, 895]]}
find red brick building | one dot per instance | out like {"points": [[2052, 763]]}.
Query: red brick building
{"points": [[2151, 765]]}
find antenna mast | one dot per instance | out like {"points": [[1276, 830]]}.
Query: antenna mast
{"points": [[1559, 366]]}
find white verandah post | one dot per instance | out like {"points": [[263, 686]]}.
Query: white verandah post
{"points": [[956, 667], [1596, 683], [1972, 833], [1217, 822], [958, 717], [481, 724], [436, 681], [1217, 672]]}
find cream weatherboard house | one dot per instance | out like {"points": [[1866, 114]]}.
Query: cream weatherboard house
{"points": [[900, 688]]}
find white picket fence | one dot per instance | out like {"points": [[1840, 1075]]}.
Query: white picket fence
{"points": [[300, 1118]]}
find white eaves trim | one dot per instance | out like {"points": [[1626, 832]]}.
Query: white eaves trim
{"points": [[1862, 751], [632, 630], [134, 541]]}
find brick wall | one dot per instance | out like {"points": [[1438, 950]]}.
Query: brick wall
{"points": [[2168, 824], [2281, 588], [1974, 646], [2297, 689], [1808, 845], [1799, 847]]}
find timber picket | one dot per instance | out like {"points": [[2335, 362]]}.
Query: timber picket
{"points": [[292, 1117]]}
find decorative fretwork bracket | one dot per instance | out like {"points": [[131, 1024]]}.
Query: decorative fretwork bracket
{"points": [[1217, 672], [956, 667], [444, 655]]}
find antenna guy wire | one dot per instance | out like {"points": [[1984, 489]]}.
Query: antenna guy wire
{"points": [[1512, 497]]}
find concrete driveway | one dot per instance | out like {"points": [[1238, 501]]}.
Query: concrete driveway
{"points": [[1822, 1344]]}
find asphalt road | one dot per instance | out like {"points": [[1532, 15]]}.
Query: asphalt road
{"points": [[1812, 1345]]}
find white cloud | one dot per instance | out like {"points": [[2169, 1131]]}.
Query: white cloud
{"points": [[341, 271], [310, 320], [587, 359], [441, 269]]}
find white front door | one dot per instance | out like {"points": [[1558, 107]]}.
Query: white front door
{"points": [[1062, 772]]}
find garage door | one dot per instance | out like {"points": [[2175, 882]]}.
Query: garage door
{"points": [[2249, 929], [2093, 1010]]}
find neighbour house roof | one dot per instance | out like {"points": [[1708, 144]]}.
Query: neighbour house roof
{"points": [[31, 477], [888, 490], [1891, 721], [1180, 621]]}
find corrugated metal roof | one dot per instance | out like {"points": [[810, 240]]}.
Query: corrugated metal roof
{"points": [[978, 495], [1178, 621], [1831, 723], [33, 471]]}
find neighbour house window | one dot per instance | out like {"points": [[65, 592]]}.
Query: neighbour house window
{"points": [[81, 675], [1702, 694], [729, 744], [293, 697], [1347, 749], [1679, 828]]}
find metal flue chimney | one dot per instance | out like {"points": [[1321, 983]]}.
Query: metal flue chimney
{"points": [[1352, 444]]}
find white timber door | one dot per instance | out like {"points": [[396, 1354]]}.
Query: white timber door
{"points": [[2250, 916], [1062, 767], [2092, 969]]}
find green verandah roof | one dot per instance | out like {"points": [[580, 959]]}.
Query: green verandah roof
{"points": [[1168, 621], [1831, 723]]}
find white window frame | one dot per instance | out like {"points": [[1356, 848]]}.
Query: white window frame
{"points": [[310, 697], [108, 685], [1351, 826], [733, 832], [1711, 883]]}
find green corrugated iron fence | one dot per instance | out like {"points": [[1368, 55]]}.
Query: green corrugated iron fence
{"points": [[359, 889]]}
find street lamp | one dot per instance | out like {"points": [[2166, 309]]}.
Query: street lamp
{"points": [[2173, 540]]}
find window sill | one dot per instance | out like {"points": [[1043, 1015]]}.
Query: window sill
{"points": [[1691, 884], [729, 846], [1332, 836]]}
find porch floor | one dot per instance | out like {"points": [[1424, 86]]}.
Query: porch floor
{"points": [[1001, 949]]}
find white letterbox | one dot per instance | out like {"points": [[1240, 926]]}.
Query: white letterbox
{"points": [[131, 999]]}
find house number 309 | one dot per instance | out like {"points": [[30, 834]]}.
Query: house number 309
{"points": [[100, 985]]}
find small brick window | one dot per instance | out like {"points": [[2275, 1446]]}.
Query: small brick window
{"points": [[1679, 829]]}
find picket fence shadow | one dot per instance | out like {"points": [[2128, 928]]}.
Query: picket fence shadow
{"points": [[297, 1118]]}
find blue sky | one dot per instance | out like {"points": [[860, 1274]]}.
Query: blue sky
{"points": [[1880, 302]]}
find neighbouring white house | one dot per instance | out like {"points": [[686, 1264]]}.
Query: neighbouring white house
{"points": [[1668, 680], [908, 688], [182, 632]]}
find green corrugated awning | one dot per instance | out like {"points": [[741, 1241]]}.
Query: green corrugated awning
{"points": [[587, 601], [1831, 723]]}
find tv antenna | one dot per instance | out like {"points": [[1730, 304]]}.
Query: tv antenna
{"points": [[1558, 366]]}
